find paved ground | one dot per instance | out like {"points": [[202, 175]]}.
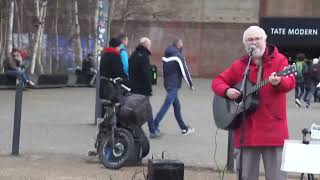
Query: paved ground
{"points": [[57, 131], [77, 167]]}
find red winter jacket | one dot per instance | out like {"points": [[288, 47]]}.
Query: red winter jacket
{"points": [[267, 126]]}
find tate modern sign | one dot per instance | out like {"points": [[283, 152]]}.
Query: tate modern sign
{"points": [[292, 31]]}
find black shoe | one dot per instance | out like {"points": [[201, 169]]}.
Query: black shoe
{"points": [[308, 106]]}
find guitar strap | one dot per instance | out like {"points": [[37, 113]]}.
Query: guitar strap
{"points": [[259, 72]]}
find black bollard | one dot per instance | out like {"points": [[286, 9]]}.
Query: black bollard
{"points": [[98, 108], [17, 118]]}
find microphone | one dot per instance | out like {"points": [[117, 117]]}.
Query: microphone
{"points": [[250, 50]]}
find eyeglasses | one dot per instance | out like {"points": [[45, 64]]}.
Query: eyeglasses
{"points": [[253, 39], [15, 55]]}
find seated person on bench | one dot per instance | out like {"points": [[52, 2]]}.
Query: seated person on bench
{"points": [[88, 68], [13, 67]]}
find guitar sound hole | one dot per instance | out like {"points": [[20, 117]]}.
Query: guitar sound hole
{"points": [[239, 99]]}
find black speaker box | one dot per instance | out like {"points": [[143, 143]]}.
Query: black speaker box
{"points": [[165, 169]]}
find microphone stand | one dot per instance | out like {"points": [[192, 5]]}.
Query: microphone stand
{"points": [[244, 99]]}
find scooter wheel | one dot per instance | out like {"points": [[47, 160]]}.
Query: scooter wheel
{"points": [[116, 157]]}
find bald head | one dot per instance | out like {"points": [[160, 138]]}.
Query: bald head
{"points": [[145, 42]]}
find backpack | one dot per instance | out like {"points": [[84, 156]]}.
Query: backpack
{"points": [[300, 68], [302, 71], [135, 110], [315, 72]]}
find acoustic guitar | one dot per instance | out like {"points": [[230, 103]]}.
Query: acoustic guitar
{"points": [[227, 113]]}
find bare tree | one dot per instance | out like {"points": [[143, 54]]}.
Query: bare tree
{"points": [[1, 39], [91, 5], [40, 23], [2, 23], [40, 50], [56, 37], [124, 15], [95, 30], [4, 27], [77, 47], [90, 28], [16, 9], [10, 26], [112, 4], [37, 8], [21, 17], [129, 9]]}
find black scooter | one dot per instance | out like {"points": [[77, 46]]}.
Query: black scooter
{"points": [[118, 145]]}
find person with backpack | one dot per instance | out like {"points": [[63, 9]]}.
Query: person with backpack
{"points": [[301, 66], [313, 80]]}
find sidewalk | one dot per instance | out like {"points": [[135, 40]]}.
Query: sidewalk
{"points": [[57, 132], [75, 167]]}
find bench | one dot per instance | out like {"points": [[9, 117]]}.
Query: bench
{"points": [[7, 82]]}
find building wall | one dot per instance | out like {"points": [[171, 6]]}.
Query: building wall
{"points": [[208, 47], [211, 29], [229, 11], [291, 8]]}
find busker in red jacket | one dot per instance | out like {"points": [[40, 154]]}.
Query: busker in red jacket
{"points": [[265, 129]]}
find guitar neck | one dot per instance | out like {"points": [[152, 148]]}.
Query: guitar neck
{"points": [[256, 87], [289, 70]]}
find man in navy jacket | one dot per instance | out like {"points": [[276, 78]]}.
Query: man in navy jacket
{"points": [[174, 68]]}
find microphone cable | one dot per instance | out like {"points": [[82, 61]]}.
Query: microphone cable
{"points": [[215, 153], [221, 177]]}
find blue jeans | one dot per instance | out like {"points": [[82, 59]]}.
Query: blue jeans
{"points": [[311, 88], [151, 126], [171, 98], [299, 90], [19, 74]]}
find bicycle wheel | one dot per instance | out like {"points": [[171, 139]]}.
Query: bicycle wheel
{"points": [[116, 157]]}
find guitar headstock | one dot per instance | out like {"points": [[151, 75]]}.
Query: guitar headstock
{"points": [[288, 70]]}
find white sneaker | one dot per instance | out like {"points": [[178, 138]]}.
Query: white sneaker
{"points": [[298, 103], [188, 131], [30, 83]]}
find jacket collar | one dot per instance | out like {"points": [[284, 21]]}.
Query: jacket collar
{"points": [[111, 50], [143, 50]]}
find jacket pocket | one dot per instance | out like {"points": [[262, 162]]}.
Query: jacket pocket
{"points": [[274, 111]]}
